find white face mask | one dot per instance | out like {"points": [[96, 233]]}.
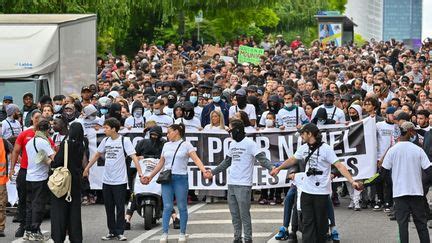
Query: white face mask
{"points": [[91, 118], [269, 123], [137, 114], [288, 105], [157, 112]]}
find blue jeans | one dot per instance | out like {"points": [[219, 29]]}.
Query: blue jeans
{"points": [[179, 187], [288, 205]]}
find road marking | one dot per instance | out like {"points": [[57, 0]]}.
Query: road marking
{"points": [[214, 235], [253, 210], [149, 233], [227, 221]]}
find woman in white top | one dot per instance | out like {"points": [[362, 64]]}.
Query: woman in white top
{"points": [[217, 122], [175, 156]]}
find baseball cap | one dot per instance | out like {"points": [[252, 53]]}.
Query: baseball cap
{"points": [[403, 116], [391, 110], [113, 94], [7, 97], [329, 93], [252, 88], [84, 88], [89, 110], [406, 126], [241, 92], [310, 127]]}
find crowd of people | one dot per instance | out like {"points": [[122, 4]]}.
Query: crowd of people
{"points": [[182, 88]]}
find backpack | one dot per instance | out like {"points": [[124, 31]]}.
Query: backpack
{"points": [[60, 181]]}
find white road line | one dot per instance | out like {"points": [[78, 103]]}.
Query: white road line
{"points": [[253, 210], [149, 233], [214, 235], [227, 221]]}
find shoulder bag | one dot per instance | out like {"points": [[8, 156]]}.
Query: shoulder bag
{"points": [[60, 181], [165, 176]]}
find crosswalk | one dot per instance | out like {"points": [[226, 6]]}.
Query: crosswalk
{"points": [[212, 223]]}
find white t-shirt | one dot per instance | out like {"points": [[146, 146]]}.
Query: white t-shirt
{"points": [[163, 121], [181, 159], [289, 119], [242, 161], [10, 128], [193, 125], [406, 162], [339, 115], [249, 109], [321, 160], [210, 127], [198, 111], [88, 124], [169, 111], [37, 171], [134, 122], [57, 138], [115, 162], [387, 135]]}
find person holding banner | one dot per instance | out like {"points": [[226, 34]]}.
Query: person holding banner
{"points": [[316, 186], [175, 157], [241, 156]]}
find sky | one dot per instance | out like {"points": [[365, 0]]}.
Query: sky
{"points": [[427, 19]]}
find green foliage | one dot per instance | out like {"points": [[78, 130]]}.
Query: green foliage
{"points": [[124, 25], [358, 40]]}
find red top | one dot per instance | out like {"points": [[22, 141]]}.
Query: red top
{"points": [[22, 140]]}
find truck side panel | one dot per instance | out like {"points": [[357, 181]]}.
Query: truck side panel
{"points": [[77, 56]]}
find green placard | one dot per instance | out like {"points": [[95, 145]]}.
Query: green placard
{"points": [[250, 54]]}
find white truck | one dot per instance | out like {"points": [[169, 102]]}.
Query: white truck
{"points": [[46, 54]]}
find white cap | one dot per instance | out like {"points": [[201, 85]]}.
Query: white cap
{"points": [[89, 110], [113, 94]]}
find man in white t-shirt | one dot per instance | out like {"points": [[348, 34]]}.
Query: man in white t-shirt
{"points": [[405, 162], [242, 105], [241, 156], [115, 148], [333, 112], [316, 186], [37, 178], [161, 119], [291, 116], [11, 127], [89, 119]]}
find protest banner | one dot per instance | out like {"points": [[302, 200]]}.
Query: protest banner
{"points": [[250, 54], [354, 144]]}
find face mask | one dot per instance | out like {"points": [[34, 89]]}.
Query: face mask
{"points": [[193, 99], [157, 112], [288, 105], [237, 135], [241, 101], [269, 123], [91, 118], [104, 111], [355, 118], [412, 139], [57, 108], [216, 99], [137, 114]]}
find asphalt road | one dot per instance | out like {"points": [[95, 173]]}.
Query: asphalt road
{"points": [[212, 223]]}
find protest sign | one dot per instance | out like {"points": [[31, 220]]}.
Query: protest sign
{"points": [[355, 146], [250, 54]]}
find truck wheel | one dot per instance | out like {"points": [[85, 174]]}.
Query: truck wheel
{"points": [[148, 217]]}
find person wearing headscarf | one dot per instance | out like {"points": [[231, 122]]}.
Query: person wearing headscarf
{"points": [[66, 216]]}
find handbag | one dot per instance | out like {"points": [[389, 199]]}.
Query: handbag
{"points": [[165, 176], [60, 181]]}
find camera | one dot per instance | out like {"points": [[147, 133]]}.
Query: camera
{"points": [[313, 172]]}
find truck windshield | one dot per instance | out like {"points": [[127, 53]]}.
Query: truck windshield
{"points": [[17, 88]]}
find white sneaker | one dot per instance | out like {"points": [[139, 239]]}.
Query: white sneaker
{"points": [[182, 238], [351, 205], [164, 238]]}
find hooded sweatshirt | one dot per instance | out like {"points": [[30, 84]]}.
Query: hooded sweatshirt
{"points": [[136, 122]]}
